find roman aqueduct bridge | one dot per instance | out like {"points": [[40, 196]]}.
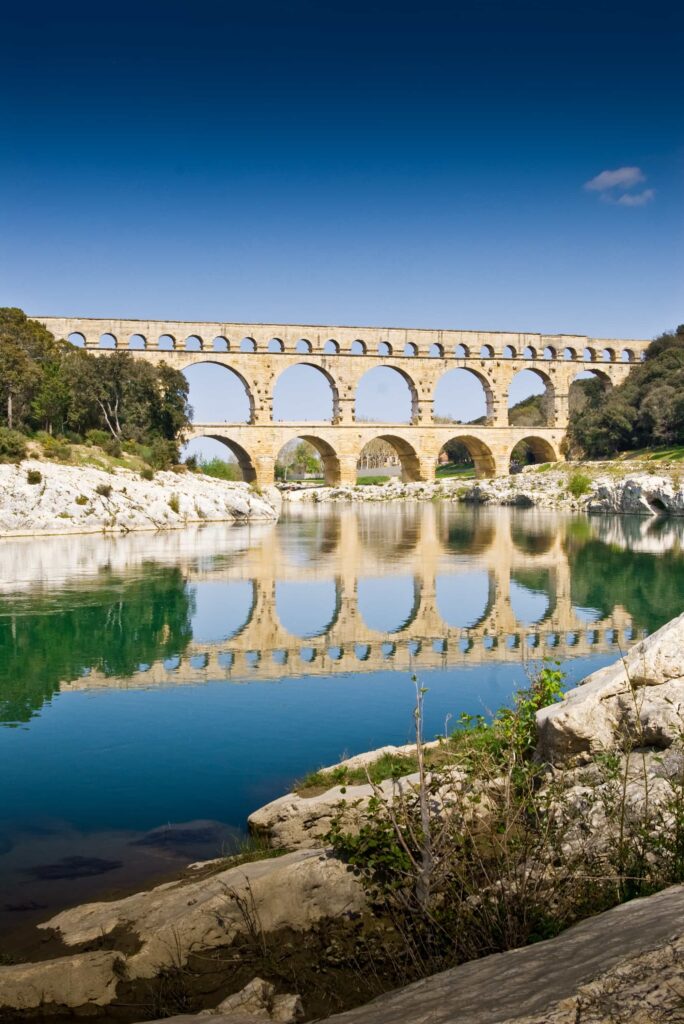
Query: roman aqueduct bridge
{"points": [[259, 353]]}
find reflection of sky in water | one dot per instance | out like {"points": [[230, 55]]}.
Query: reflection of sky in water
{"points": [[221, 609], [529, 606], [386, 603], [462, 599], [306, 609]]}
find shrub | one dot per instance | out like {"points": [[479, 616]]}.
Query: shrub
{"points": [[579, 484], [12, 445], [147, 473], [174, 503], [220, 469], [104, 490], [162, 454], [81, 500], [34, 476], [98, 437]]}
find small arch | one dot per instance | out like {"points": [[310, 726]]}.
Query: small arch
{"points": [[589, 355], [248, 345], [166, 343], [220, 344], [627, 356], [406, 453], [107, 341], [320, 454], [303, 347], [479, 455], [386, 394], [193, 343], [77, 339], [307, 387], [358, 348], [275, 346], [136, 342], [331, 348], [384, 348], [463, 395], [486, 352], [462, 352], [410, 350], [509, 352], [569, 353], [549, 352], [529, 352], [607, 355], [436, 351], [531, 399], [530, 450]]}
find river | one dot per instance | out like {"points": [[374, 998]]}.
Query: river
{"points": [[156, 688]]}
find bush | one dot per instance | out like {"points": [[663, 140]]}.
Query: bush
{"points": [[34, 476], [98, 437], [12, 445], [81, 500], [220, 469], [174, 503], [73, 438], [104, 490], [147, 473], [579, 484], [162, 454]]}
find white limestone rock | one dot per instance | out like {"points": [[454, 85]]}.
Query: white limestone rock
{"points": [[82, 980], [639, 700]]}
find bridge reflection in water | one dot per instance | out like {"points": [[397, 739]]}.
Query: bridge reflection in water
{"points": [[416, 587]]}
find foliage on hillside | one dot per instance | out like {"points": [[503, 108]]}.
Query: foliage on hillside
{"points": [[647, 410], [47, 384]]}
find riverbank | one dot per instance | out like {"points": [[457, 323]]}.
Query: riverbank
{"points": [[44, 498], [606, 487], [583, 786]]}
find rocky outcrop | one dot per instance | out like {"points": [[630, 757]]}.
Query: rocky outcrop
{"points": [[644, 495], [85, 979], [82, 499], [636, 702]]}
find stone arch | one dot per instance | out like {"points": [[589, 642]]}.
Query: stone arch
{"points": [[529, 352], [436, 351], [486, 352], [166, 342], [462, 352], [379, 374], [586, 389], [220, 344], [539, 449], [384, 348], [406, 453], [569, 353], [358, 347], [77, 339], [627, 356], [589, 355], [312, 376], [193, 343], [522, 382], [242, 456], [107, 340], [137, 342], [275, 346], [607, 355], [329, 458], [477, 399], [509, 352], [549, 352], [331, 347], [481, 454], [410, 349], [303, 347], [248, 345], [218, 402]]}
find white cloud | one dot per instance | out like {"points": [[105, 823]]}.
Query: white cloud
{"points": [[636, 198], [620, 178]]}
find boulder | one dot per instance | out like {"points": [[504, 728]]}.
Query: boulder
{"points": [[637, 701], [295, 891], [83, 980]]}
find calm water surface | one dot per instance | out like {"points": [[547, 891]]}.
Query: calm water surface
{"points": [[155, 689]]}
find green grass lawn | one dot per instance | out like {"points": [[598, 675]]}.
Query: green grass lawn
{"points": [[462, 472], [673, 453]]}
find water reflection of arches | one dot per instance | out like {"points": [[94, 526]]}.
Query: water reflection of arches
{"points": [[532, 537], [532, 595], [222, 611], [467, 534], [388, 604], [397, 534], [465, 600], [308, 609]]}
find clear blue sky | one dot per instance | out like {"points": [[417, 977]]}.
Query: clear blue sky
{"points": [[381, 164]]}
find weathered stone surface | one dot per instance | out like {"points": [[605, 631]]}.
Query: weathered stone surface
{"points": [[85, 979], [50, 507], [639, 700], [644, 494], [294, 891]]}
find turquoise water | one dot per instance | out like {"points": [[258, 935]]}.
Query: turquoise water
{"points": [[155, 689]]}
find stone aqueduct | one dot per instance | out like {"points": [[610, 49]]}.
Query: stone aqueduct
{"points": [[259, 353]]}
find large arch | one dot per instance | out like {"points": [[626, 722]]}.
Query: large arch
{"points": [[242, 456], [406, 453], [463, 395], [386, 394], [480, 453], [305, 385], [329, 459], [218, 393], [531, 399], [388, 604]]}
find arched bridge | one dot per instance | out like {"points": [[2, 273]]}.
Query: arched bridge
{"points": [[260, 353]]}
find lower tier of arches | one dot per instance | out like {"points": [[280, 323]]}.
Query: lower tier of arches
{"points": [[415, 451]]}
